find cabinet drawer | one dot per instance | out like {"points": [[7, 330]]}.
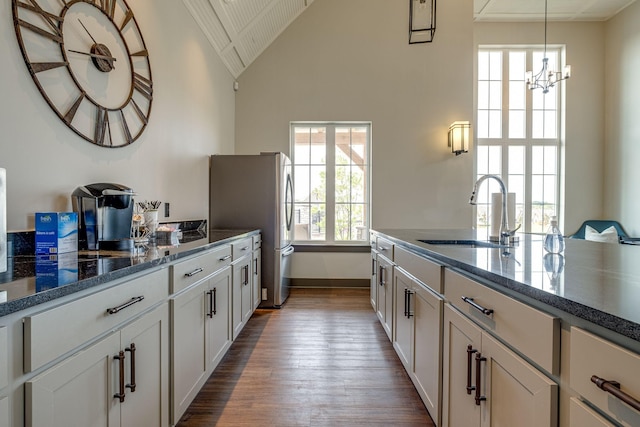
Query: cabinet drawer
{"points": [[257, 242], [591, 355], [187, 272], [54, 332], [385, 247], [428, 272], [580, 415], [532, 332], [241, 248]]}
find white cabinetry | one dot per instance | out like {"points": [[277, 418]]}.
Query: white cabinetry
{"points": [[606, 375], [242, 302], [487, 384], [201, 331], [374, 274], [385, 294], [121, 380], [256, 290], [417, 336]]}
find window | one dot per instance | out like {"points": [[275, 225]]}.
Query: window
{"points": [[331, 172], [518, 136]]}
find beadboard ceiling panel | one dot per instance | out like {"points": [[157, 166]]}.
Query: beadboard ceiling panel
{"points": [[240, 30], [558, 10]]}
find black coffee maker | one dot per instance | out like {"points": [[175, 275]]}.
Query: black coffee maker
{"points": [[105, 212]]}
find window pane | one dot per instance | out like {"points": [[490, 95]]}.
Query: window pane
{"points": [[495, 124], [537, 160], [301, 189], [550, 125], [483, 65], [495, 160], [495, 95], [318, 221], [495, 65], [483, 95], [517, 124], [318, 184], [517, 92], [302, 145], [517, 65], [302, 220], [549, 189], [537, 124], [550, 160], [482, 152], [483, 124], [516, 160]]}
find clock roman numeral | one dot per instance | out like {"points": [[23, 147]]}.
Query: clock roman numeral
{"points": [[144, 119], [38, 67], [143, 85], [53, 21], [141, 53], [68, 118], [126, 20], [102, 127], [109, 7], [125, 129]]}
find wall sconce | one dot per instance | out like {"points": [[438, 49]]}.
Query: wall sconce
{"points": [[459, 134], [422, 21]]}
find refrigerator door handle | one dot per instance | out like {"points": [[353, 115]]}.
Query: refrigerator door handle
{"points": [[289, 202], [288, 251]]}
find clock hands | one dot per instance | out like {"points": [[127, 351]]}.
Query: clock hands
{"points": [[94, 55], [100, 54]]}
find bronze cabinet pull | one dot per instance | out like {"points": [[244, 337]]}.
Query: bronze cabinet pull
{"points": [[381, 280], [132, 350], [407, 303], [194, 272], [132, 301], [215, 303], [246, 275], [255, 266], [481, 309], [211, 303], [470, 351], [613, 387], [373, 266], [120, 358], [479, 397]]}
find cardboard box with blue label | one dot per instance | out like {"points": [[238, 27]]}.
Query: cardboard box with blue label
{"points": [[56, 232]]}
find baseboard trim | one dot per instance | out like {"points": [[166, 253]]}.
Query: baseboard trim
{"points": [[330, 283]]}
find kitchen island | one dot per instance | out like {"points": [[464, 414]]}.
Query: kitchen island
{"points": [[489, 332]]}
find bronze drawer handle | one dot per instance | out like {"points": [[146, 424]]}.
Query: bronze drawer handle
{"points": [[481, 309], [120, 358], [194, 272], [132, 301], [613, 387], [470, 351], [479, 360], [224, 258], [132, 350]]}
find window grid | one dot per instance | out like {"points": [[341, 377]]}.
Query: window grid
{"points": [[331, 183], [527, 158]]}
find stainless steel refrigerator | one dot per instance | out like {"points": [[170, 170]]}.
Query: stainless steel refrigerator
{"points": [[256, 191]]}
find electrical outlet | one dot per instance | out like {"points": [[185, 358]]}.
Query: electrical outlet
{"points": [[166, 210], [264, 294]]}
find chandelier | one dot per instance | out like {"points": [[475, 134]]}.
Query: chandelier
{"points": [[546, 78]]}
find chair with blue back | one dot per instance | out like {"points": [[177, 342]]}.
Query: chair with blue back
{"points": [[599, 225]]}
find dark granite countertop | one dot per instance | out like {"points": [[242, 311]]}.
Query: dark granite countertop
{"points": [[598, 282], [31, 280]]}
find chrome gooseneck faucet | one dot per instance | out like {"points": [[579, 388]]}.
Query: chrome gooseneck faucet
{"points": [[505, 233]]}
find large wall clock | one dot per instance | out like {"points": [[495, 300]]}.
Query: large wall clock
{"points": [[90, 63]]}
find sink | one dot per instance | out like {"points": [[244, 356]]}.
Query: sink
{"points": [[462, 243]]}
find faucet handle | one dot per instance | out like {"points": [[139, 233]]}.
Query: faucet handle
{"points": [[506, 234]]}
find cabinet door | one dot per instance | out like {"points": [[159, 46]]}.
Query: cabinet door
{"points": [[461, 339], [241, 295], [427, 340], [188, 351], [257, 278], [87, 380], [403, 318], [247, 292], [385, 294], [374, 281], [517, 394], [219, 317], [146, 345]]}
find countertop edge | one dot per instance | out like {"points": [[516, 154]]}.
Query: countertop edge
{"points": [[605, 320], [11, 307]]}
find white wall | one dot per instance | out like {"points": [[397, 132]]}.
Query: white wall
{"points": [[622, 149], [350, 60], [585, 94], [192, 116]]}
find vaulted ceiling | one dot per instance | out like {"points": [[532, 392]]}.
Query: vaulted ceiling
{"points": [[240, 30]]}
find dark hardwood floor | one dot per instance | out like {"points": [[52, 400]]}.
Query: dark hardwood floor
{"points": [[321, 360]]}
